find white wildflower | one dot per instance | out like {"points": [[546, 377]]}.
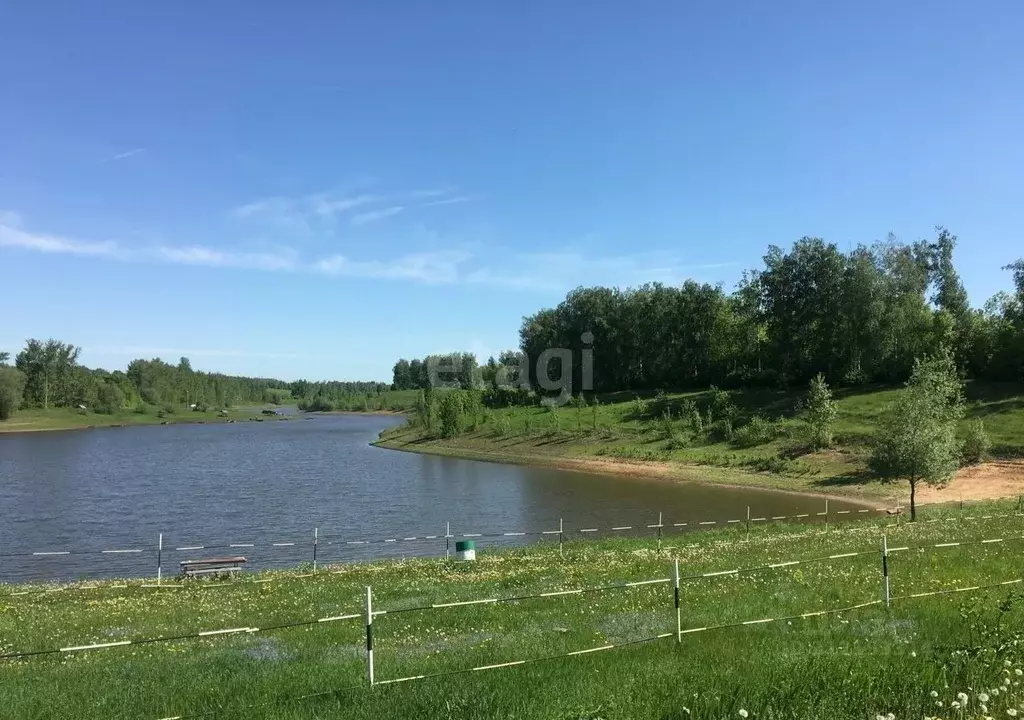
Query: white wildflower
{"points": [[890, 716], [955, 704], [1011, 712], [934, 694], [962, 697], [1018, 672], [743, 713], [983, 697]]}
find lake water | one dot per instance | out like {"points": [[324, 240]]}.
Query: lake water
{"points": [[270, 484]]}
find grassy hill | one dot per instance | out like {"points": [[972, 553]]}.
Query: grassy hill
{"points": [[855, 664], [631, 428]]}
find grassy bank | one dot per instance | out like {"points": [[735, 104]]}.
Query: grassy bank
{"points": [[624, 433], [37, 419], [856, 664]]}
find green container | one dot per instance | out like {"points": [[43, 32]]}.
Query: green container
{"points": [[465, 550]]}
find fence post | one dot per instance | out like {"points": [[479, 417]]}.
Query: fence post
{"points": [[316, 541], [159, 559], [885, 568], [679, 617], [661, 524], [826, 514], [961, 509], [748, 522], [447, 539], [369, 634], [560, 533]]}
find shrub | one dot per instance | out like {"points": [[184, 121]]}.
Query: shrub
{"points": [[757, 431], [450, 414], [109, 399], [821, 413], [678, 441], [976, 443], [12, 384]]}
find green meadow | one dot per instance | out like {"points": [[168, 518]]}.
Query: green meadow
{"points": [[861, 663]]}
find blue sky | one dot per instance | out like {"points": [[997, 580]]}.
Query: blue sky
{"points": [[315, 189]]}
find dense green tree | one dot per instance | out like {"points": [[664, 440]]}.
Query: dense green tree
{"points": [[49, 371], [916, 440], [12, 384]]}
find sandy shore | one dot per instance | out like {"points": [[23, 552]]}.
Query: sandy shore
{"points": [[988, 481]]}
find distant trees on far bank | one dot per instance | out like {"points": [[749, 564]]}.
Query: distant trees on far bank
{"points": [[47, 374]]}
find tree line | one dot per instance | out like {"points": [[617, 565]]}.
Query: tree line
{"points": [[47, 374], [856, 317]]}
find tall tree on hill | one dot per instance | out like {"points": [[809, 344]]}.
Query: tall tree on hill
{"points": [[917, 440]]}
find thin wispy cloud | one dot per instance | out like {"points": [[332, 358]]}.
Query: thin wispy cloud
{"points": [[433, 193], [323, 205], [546, 272], [447, 201], [375, 215], [124, 155], [437, 268], [198, 255], [318, 212]]}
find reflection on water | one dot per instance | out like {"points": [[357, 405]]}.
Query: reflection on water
{"points": [[92, 490]]}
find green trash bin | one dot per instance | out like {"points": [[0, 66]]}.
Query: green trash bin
{"points": [[465, 550]]}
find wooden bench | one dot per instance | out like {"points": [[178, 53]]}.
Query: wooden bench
{"points": [[211, 566]]}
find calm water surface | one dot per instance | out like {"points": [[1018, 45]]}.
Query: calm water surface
{"points": [[274, 482]]}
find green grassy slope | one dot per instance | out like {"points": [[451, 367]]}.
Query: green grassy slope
{"points": [[856, 664], [623, 428]]}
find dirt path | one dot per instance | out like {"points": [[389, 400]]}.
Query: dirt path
{"points": [[1000, 479]]}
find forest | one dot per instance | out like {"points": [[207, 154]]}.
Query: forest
{"points": [[859, 317], [47, 374]]}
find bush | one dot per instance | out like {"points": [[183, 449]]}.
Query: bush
{"points": [[821, 413], [109, 399], [12, 384], [450, 414], [677, 441], [318, 403], [976, 443], [757, 431]]}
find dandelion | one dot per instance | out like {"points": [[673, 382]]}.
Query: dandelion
{"points": [[955, 704], [984, 709], [913, 653], [983, 697], [1011, 712], [744, 713], [1006, 682], [1018, 672], [890, 716], [934, 694], [962, 697], [1007, 663]]}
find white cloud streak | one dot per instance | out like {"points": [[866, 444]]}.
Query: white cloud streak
{"points": [[439, 268], [375, 215], [124, 155], [549, 272]]}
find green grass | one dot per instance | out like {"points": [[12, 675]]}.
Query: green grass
{"points": [[855, 665], [622, 427], [37, 419]]}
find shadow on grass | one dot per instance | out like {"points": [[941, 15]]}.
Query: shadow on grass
{"points": [[857, 477]]}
